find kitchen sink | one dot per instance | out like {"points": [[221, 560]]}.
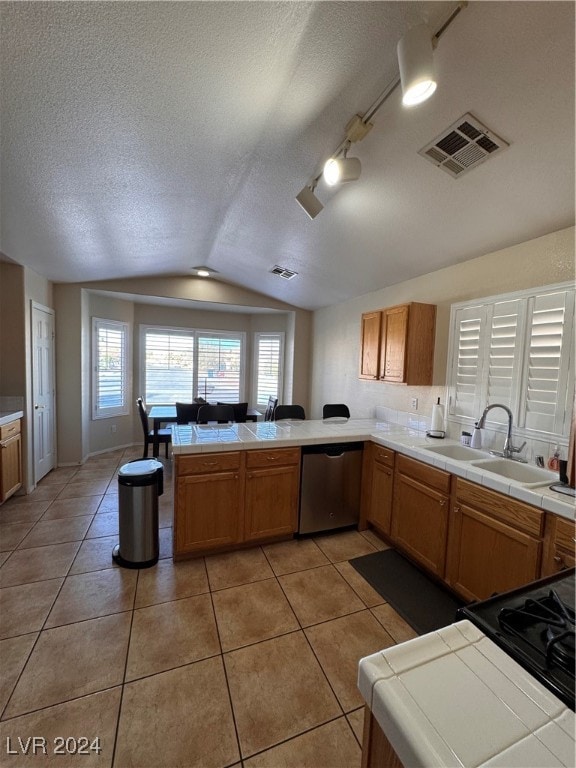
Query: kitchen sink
{"points": [[513, 470], [458, 452]]}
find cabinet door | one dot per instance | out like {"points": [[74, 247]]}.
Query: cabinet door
{"points": [[420, 522], [10, 466], [559, 541], [370, 345], [393, 346], [271, 501], [207, 513], [380, 510], [486, 556]]}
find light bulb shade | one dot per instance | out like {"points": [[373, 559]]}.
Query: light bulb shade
{"points": [[309, 202], [341, 169], [416, 62]]}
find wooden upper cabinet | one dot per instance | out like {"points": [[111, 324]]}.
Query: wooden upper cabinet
{"points": [[370, 345], [398, 344]]}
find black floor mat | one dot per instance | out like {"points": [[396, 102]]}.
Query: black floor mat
{"points": [[423, 603]]}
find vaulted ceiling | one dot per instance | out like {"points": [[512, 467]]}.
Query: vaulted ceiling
{"points": [[145, 138]]}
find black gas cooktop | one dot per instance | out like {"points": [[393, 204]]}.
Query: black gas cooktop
{"points": [[534, 624]]}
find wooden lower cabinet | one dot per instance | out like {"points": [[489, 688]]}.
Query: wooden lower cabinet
{"points": [[377, 752], [495, 542], [271, 495], [10, 459], [559, 539], [381, 488], [207, 511], [223, 500], [420, 513]]}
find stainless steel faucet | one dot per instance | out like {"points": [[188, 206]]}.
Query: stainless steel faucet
{"points": [[508, 450]]}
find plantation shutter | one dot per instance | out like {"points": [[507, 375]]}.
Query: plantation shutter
{"points": [[169, 357], [219, 367], [504, 357], [111, 373], [467, 364], [268, 366], [547, 389]]}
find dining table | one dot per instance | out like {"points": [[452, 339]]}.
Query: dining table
{"points": [[164, 414]]}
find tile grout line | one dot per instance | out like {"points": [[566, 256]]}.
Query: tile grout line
{"points": [[123, 681], [238, 744]]}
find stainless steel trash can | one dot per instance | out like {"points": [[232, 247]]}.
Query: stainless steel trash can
{"points": [[140, 483]]}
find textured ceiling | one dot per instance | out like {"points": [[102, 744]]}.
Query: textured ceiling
{"points": [[144, 138]]}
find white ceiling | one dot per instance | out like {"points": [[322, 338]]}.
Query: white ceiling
{"points": [[144, 138]]}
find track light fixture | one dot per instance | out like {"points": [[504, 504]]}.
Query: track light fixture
{"points": [[416, 63], [308, 200], [338, 170]]}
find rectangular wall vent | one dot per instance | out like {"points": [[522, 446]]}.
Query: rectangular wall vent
{"points": [[287, 274], [462, 146]]}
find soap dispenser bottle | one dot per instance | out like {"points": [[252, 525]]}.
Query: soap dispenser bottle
{"points": [[476, 441]]}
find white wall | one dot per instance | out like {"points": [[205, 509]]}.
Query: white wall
{"points": [[336, 329]]}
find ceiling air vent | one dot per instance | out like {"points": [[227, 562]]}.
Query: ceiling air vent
{"points": [[463, 146], [287, 274]]}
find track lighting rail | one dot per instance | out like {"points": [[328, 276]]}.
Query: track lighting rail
{"points": [[359, 126]]}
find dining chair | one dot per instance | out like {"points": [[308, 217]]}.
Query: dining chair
{"points": [[220, 413], [289, 412], [187, 413], [335, 410], [240, 411], [269, 412], [163, 436]]}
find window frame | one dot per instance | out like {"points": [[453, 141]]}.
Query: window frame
{"points": [[485, 309], [196, 334], [281, 335], [125, 329]]}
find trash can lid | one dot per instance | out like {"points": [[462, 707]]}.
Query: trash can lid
{"points": [[142, 467]]}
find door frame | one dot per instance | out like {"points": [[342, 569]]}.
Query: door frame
{"points": [[34, 307]]}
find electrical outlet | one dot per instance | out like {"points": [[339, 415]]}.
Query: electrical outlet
{"points": [[113, 428], [415, 403]]}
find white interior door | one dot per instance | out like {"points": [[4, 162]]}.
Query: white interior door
{"points": [[43, 388]]}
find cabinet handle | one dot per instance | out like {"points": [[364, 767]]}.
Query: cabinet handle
{"points": [[560, 561], [272, 458], [210, 463], [443, 503], [457, 509]]}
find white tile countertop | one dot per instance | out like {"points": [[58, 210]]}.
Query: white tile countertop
{"points": [[7, 416], [454, 698], [199, 438]]}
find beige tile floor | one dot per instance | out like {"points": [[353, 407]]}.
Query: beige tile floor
{"points": [[248, 658]]}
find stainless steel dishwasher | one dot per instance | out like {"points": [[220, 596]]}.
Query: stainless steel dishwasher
{"points": [[330, 486]]}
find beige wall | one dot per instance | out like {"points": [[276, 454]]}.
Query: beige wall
{"points": [[12, 331], [336, 333]]}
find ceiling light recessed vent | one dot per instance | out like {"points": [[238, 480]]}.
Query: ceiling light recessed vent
{"points": [[287, 274], [463, 146]]}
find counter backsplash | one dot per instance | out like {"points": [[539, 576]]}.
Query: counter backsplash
{"points": [[491, 439]]}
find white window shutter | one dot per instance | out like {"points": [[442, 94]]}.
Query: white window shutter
{"points": [[268, 359], [468, 351], [505, 340], [219, 367], [549, 356]]}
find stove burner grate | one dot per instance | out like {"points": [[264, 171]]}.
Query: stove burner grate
{"points": [[547, 625]]}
